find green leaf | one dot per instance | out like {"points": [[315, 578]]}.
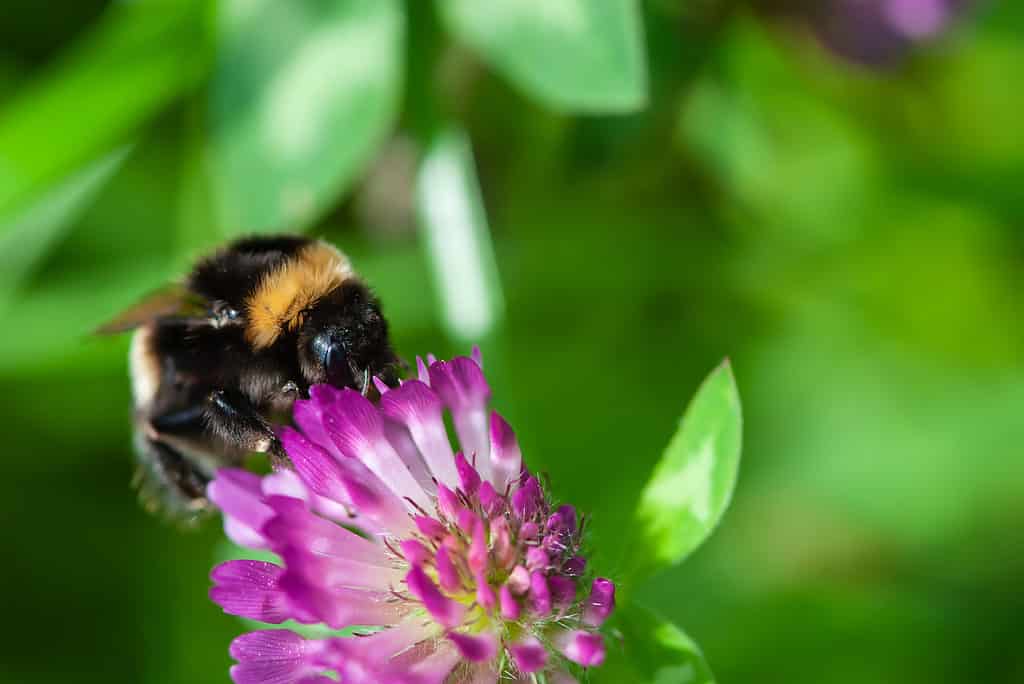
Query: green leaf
{"points": [[647, 649], [303, 92], [454, 224], [26, 237], [573, 55], [139, 58], [693, 482]]}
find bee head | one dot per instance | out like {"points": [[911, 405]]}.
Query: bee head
{"points": [[343, 339]]}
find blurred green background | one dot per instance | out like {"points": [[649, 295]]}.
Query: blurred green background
{"points": [[609, 196]]}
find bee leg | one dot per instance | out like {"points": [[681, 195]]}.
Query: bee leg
{"points": [[233, 418], [168, 482], [183, 422]]}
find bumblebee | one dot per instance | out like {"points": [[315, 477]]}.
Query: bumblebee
{"points": [[217, 359]]}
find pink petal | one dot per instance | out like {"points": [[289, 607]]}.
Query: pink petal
{"points": [[477, 648], [417, 407], [272, 656], [414, 552], [484, 593], [447, 573], [237, 493], [540, 594], [477, 557], [510, 609], [601, 602], [295, 525], [469, 478], [356, 428], [250, 589], [527, 499], [529, 655], [337, 607], [447, 612], [506, 457], [345, 480], [563, 590], [583, 648], [461, 385]]}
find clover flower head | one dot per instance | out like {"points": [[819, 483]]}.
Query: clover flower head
{"points": [[460, 559]]}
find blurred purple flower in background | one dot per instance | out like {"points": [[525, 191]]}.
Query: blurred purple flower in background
{"points": [[462, 560], [881, 32]]}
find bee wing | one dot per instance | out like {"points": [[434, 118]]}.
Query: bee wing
{"points": [[174, 300]]}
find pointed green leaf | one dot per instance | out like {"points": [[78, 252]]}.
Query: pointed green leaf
{"points": [[573, 55], [26, 237], [646, 649], [693, 482], [454, 225], [302, 94], [138, 58]]}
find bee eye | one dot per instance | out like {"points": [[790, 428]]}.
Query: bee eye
{"points": [[333, 356], [223, 313]]}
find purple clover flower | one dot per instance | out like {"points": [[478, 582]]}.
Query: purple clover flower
{"points": [[881, 32], [472, 573]]}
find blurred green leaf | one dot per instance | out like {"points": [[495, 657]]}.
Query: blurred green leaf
{"points": [[140, 57], [303, 92], [573, 55], [26, 237], [651, 650], [693, 482], [458, 240]]}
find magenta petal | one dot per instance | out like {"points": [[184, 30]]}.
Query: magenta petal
{"points": [[563, 521], [332, 572], [357, 429], [430, 527], [519, 580], [583, 648], [509, 606], [295, 525], [529, 655], [477, 557], [537, 559], [601, 602], [272, 645], [250, 589], [563, 590], [490, 501], [414, 552], [484, 593], [506, 457], [575, 566], [461, 385], [446, 611], [540, 594], [417, 407], [477, 648], [335, 606], [447, 573], [237, 493], [448, 502], [503, 550], [469, 478], [344, 480], [527, 499]]}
